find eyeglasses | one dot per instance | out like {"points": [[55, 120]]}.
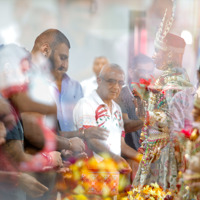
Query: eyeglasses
{"points": [[113, 82]]}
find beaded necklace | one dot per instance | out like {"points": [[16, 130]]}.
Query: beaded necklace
{"points": [[153, 140]]}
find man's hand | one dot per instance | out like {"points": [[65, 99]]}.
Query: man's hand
{"points": [[69, 154], [136, 93], [139, 107], [31, 186], [96, 132], [56, 159], [77, 145], [123, 166], [131, 125], [66, 153], [71, 158], [5, 107], [81, 155], [2, 133], [6, 115]]}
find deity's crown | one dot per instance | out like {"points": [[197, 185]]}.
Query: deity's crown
{"points": [[167, 41]]}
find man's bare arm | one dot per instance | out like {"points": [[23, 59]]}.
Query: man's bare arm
{"points": [[98, 147], [32, 132], [13, 149], [25, 181], [131, 125], [129, 152], [92, 132], [25, 104]]}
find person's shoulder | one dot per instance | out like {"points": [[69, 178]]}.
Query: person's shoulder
{"points": [[72, 82], [117, 105], [88, 81], [84, 104], [84, 100], [125, 94], [125, 90]]}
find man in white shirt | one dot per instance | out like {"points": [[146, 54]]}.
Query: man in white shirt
{"points": [[90, 84], [100, 110]]}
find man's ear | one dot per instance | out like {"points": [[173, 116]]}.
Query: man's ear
{"points": [[46, 50]]}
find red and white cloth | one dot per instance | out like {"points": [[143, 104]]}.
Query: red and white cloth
{"points": [[92, 111]]}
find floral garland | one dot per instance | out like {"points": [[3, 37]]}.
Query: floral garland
{"points": [[89, 177], [149, 192]]}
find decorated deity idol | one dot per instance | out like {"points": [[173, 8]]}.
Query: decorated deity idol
{"points": [[164, 118]]}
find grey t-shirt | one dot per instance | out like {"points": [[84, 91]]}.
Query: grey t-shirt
{"points": [[125, 100]]}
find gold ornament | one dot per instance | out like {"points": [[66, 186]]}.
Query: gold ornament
{"points": [[194, 135]]}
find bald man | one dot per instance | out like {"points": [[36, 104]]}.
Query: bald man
{"points": [[99, 110], [55, 46]]}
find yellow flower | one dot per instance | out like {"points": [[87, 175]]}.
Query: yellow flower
{"points": [[135, 190], [155, 185], [159, 193], [138, 197], [147, 187], [169, 193], [131, 198], [76, 175], [123, 182], [151, 198], [108, 198], [80, 163], [130, 192], [68, 175], [124, 198], [79, 190], [152, 192], [92, 163], [105, 191], [80, 197]]}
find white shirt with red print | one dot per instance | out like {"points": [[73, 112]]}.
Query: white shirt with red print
{"points": [[92, 111]]}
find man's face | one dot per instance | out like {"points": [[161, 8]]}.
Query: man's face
{"points": [[59, 58], [111, 84], [159, 58], [144, 71]]}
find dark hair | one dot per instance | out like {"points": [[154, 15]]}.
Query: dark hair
{"points": [[53, 37], [141, 58]]}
